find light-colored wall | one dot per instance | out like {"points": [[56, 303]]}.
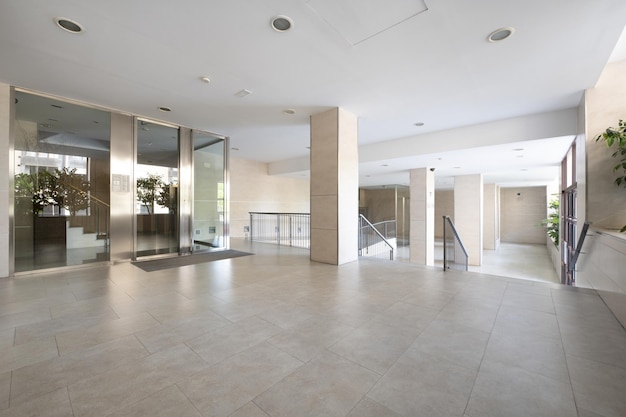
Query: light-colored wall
{"points": [[522, 210], [253, 189], [605, 104], [602, 262], [444, 206], [380, 204], [601, 266]]}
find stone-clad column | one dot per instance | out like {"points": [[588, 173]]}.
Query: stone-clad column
{"points": [[422, 217], [468, 214], [334, 187]]}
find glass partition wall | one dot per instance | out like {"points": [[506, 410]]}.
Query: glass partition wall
{"points": [[61, 177], [172, 200], [156, 189]]}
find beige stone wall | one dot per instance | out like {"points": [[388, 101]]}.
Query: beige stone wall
{"points": [[522, 210], [605, 104], [444, 206], [252, 189]]}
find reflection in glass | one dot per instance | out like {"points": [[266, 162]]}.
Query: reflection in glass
{"points": [[156, 174], [61, 183], [208, 195]]}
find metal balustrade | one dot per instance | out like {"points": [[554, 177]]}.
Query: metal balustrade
{"points": [[287, 229], [454, 254], [377, 240]]}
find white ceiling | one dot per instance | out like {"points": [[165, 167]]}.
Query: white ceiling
{"points": [[392, 63]]}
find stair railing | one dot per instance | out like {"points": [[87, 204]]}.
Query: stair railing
{"points": [[454, 254], [372, 242]]}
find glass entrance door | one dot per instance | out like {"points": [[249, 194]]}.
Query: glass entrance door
{"points": [[208, 224], [156, 182]]}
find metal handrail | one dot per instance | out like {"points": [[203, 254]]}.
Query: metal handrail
{"points": [[362, 218], [447, 220]]}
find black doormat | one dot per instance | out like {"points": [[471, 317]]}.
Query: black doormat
{"points": [[174, 262]]}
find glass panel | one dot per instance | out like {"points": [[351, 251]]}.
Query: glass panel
{"points": [[208, 195], [61, 183], [156, 176]]}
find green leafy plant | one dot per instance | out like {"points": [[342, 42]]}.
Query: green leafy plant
{"points": [[553, 221], [617, 136], [148, 190]]}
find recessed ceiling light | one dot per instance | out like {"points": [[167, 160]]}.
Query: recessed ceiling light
{"points": [[165, 109], [69, 25], [518, 149], [205, 80], [384, 165], [235, 149], [289, 111], [500, 34], [456, 167], [281, 23], [243, 93], [56, 106], [419, 124]]}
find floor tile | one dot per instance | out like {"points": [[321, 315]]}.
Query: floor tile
{"points": [[535, 354], [225, 387], [27, 354], [103, 332], [226, 341], [598, 387], [31, 381], [5, 389], [459, 344], [502, 390], [53, 404], [421, 384], [326, 386], [250, 410], [165, 403], [121, 387], [174, 332], [311, 337], [376, 345], [368, 408]]}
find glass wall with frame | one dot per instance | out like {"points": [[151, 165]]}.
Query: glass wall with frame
{"points": [[156, 180], [61, 205], [209, 215]]}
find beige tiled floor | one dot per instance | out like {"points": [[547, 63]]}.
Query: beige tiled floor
{"points": [[276, 335]]}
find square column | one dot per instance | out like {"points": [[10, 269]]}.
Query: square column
{"points": [[334, 187], [6, 187], [491, 211], [422, 217], [468, 214]]}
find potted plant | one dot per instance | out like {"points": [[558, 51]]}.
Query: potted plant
{"points": [[553, 221], [616, 137]]}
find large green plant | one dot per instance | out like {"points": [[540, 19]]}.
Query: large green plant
{"points": [[615, 138], [553, 221]]}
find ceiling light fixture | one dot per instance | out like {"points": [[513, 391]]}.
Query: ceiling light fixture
{"points": [[281, 23], [289, 111], [69, 25], [419, 124], [243, 93], [501, 34], [205, 80], [165, 109]]}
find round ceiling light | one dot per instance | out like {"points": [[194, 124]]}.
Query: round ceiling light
{"points": [[500, 34], [69, 25], [281, 23], [289, 112], [165, 109]]}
